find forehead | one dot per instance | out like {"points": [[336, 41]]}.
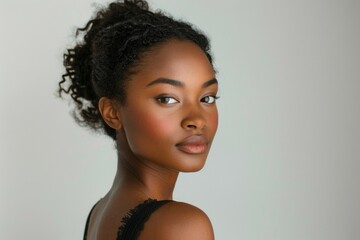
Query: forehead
{"points": [[175, 59]]}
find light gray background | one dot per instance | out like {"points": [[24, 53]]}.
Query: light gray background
{"points": [[285, 164]]}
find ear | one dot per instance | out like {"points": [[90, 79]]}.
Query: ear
{"points": [[109, 111]]}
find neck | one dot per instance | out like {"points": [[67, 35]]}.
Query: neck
{"points": [[143, 179]]}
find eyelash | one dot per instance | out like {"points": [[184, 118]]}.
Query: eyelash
{"points": [[166, 99]]}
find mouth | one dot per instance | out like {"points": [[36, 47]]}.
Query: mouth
{"points": [[195, 144]]}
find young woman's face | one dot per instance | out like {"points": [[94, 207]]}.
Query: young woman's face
{"points": [[170, 116]]}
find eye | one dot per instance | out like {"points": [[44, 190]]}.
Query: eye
{"points": [[209, 99], [167, 100]]}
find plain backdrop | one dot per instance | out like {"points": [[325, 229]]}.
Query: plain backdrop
{"points": [[286, 160]]}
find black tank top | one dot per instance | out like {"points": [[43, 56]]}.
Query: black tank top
{"points": [[133, 222]]}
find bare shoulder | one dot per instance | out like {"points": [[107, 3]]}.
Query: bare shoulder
{"points": [[178, 220]]}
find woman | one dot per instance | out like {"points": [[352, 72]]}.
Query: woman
{"points": [[148, 81]]}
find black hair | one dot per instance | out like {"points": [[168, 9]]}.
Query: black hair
{"points": [[112, 46]]}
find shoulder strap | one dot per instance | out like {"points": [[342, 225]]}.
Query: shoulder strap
{"points": [[134, 221]]}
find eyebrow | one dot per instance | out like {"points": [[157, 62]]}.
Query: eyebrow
{"points": [[210, 82], [178, 83]]}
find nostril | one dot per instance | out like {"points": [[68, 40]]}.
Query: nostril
{"points": [[191, 126]]}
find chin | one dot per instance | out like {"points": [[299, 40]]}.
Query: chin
{"points": [[192, 170], [193, 164]]}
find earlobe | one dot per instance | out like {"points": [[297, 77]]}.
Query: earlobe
{"points": [[109, 111]]}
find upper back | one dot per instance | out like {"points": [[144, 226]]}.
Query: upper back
{"points": [[149, 220]]}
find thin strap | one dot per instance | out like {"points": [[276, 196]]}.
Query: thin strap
{"points": [[134, 220], [88, 220]]}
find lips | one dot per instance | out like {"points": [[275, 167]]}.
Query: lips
{"points": [[195, 144]]}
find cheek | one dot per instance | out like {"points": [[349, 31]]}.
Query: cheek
{"points": [[213, 120], [147, 127]]}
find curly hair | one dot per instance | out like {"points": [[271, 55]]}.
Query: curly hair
{"points": [[112, 46]]}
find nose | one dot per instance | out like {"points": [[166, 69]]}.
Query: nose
{"points": [[194, 121]]}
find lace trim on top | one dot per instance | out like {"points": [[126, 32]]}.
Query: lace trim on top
{"points": [[133, 222]]}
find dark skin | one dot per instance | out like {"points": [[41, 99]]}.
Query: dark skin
{"points": [[165, 127]]}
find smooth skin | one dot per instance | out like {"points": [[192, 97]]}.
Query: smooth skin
{"points": [[170, 99]]}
